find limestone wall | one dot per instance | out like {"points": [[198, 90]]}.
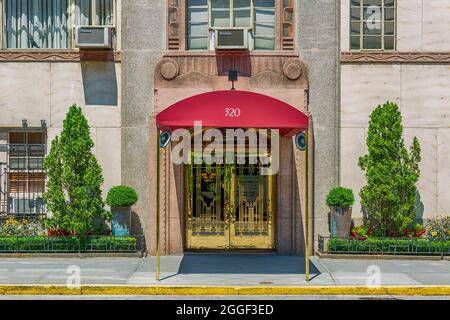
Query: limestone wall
{"points": [[420, 88], [422, 92], [45, 90]]}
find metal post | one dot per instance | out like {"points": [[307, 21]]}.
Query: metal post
{"points": [[307, 205], [158, 156]]}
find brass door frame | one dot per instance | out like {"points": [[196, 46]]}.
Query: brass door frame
{"points": [[228, 240]]}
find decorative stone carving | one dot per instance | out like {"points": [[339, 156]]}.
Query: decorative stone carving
{"points": [[395, 57], [292, 69], [59, 55], [169, 69], [204, 68]]}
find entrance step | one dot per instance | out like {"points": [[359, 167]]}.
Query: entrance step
{"points": [[231, 252]]}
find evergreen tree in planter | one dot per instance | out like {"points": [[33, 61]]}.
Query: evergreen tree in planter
{"points": [[340, 200], [121, 198], [391, 171], [73, 194]]}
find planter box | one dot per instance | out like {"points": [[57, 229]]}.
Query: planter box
{"points": [[385, 246], [121, 221], [340, 222], [68, 244]]}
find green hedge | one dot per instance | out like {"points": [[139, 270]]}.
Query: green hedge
{"points": [[389, 246], [68, 244]]}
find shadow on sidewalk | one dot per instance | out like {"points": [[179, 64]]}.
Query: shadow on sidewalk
{"points": [[244, 264]]}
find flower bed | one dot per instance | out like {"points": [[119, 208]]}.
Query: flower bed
{"points": [[69, 244], [391, 246]]}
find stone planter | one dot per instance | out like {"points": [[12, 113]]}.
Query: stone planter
{"points": [[340, 221], [121, 221]]}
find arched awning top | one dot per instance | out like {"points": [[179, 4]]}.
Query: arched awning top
{"points": [[233, 109]]}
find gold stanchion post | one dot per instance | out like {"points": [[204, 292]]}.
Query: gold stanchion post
{"points": [[307, 205], [158, 156]]}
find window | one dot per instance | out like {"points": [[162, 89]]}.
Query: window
{"points": [[372, 24], [264, 25], [22, 177], [197, 24], [99, 11], [44, 24], [36, 24], [258, 16]]}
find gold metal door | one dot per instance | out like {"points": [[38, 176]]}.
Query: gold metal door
{"points": [[207, 222], [251, 221], [229, 207]]}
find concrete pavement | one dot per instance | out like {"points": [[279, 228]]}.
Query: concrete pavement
{"points": [[223, 270]]}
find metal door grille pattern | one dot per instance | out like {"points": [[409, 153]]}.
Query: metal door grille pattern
{"points": [[229, 206], [208, 198], [252, 216]]}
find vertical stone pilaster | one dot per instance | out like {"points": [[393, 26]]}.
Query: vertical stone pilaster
{"points": [[318, 43], [143, 40]]}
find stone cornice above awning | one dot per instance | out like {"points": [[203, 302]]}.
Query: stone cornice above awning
{"points": [[357, 57], [24, 55], [279, 68]]}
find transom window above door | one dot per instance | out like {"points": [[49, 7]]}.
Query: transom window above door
{"points": [[256, 17], [373, 24], [48, 24]]}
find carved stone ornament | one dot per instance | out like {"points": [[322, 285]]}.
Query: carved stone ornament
{"points": [[169, 69], [52, 55], [395, 57], [293, 69]]}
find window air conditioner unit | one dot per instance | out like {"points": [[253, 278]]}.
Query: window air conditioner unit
{"points": [[231, 39], [21, 206], [92, 37], [26, 206]]}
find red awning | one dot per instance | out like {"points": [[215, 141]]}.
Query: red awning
{"points": [[233, 109]]}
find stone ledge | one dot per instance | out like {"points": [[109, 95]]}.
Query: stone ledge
{"points": [[72, 255], [59, 55], [379, 257], [209, 53], [348, 57]]}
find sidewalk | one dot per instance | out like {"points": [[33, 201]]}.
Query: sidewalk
{"points": [[261, 271]]}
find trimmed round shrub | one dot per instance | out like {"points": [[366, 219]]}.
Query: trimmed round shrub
{"points": [[121, 196], [340, 197]]}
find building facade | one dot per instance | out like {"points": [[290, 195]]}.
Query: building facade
{"points": [[414, 72], [179, 61], [41, 76], [327, 60]]}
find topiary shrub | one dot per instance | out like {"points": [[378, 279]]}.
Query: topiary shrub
{"points": [[392, 172], [121, 196], [340, 197], [74, 179]]}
